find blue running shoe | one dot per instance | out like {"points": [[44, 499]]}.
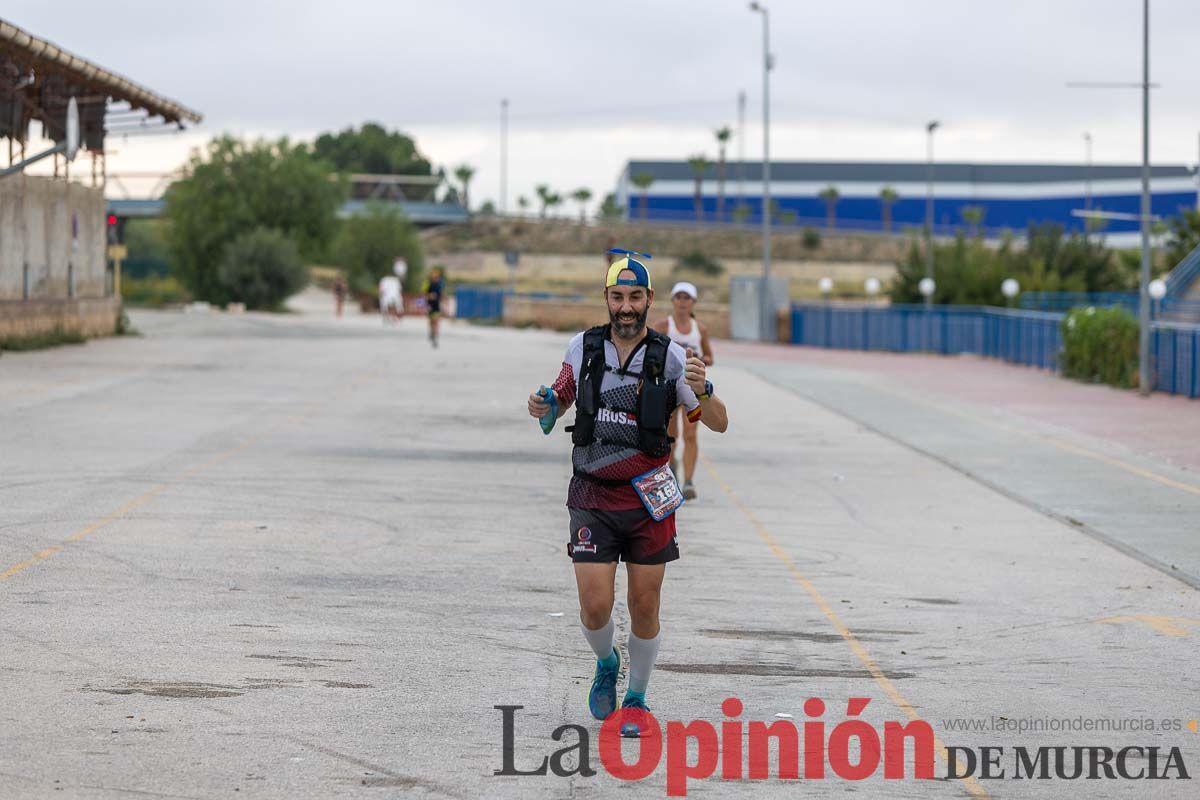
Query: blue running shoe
{"points": [[602, 699], [635, 711]]}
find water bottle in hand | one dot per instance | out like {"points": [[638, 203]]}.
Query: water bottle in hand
{"points": [[551, 416]]}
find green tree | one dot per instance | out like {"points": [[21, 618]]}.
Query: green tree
{"points": [[581, 196], [1184, 235], [553, 200], [609, 208], [887, 198], [643, 181], [723, 134], [464, 173], [368, 244], [699, 164], [261, 268], [235, 187], [830, 196], [544, 195], [372, 149], [973, 217], [523, 203]]}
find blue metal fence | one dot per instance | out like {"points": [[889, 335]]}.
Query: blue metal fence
{"points": [[1020, 337], [1177, 358], [487, 302], [1185, 273], [483, 303]]}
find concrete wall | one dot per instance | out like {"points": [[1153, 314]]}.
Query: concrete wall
{"points": [[52, 257], [567, 315], [572, 269]]}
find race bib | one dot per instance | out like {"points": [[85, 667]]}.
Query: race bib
{"points": [[659, 492]]}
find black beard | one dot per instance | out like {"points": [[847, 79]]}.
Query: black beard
{"points": [[627, 330]]}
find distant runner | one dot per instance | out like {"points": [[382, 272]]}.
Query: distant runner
{"points": [[625, 381], [683, 329], [433, 298], [389, 298]]}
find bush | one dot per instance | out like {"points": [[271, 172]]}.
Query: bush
{"points": [[261, 268], [812, 239], [368, 244], [1100, 346], [152, 292], [968, 270], [698, 262]]}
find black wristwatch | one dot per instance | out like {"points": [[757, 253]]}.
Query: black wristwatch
{"points": [[708, 391]]}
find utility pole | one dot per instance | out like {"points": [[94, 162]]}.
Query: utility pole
{"points": [[1144, 291], [1087, 172], [768, 313], [742, 148], [504, 156], [929, 129]]}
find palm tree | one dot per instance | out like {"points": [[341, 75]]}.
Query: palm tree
{"points": [[554, 200], [887, 198], [523, 204], [582, 196], [464, 174], [723, 135], [643, 180], [699, 164], [830, 195], [973, 216], [544, 194]]}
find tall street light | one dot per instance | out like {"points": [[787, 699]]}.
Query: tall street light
{"points": [[768, 324], [1144, 277], [1144, 287], [930, 127], [504, 156], [1087, 173]]}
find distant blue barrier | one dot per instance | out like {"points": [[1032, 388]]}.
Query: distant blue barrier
{"points": [[479, 303], [1020, 337], [487, 303]]}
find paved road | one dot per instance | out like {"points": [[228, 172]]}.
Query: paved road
{"points": [[288, 556]]}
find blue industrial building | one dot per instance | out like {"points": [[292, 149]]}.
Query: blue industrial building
{"points": [[1009, 196]]}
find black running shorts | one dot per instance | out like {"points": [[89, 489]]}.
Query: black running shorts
{"points": [[602, 537]]}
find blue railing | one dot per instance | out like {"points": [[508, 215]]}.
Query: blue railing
{"points": [[1184, 274], [1033, 338], [1021, 337]]}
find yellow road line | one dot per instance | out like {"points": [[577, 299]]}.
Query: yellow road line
{"points": [[885, 683], [184, 476]]}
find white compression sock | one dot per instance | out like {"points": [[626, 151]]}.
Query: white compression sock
{"points": [[642, 655], [601, 640]]}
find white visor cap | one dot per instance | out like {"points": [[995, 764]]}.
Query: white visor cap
{"points": [[687, 288]]}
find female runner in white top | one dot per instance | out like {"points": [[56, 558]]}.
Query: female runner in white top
{"points": [[687, 332]]}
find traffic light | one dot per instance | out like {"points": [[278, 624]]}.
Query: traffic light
{"points": [[114, 229]]}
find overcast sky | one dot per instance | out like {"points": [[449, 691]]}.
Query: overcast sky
{"points": [[593, 84]]}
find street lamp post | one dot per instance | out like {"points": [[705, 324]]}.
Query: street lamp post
{"points": [[504, 156], [930, 127], [741, 148], [1144, 282], [1087, 172], [767, 312], [1144, 371]]}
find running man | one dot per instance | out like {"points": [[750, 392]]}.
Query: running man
{"points": [[625, 380], [683, 329], [433, 299]]}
